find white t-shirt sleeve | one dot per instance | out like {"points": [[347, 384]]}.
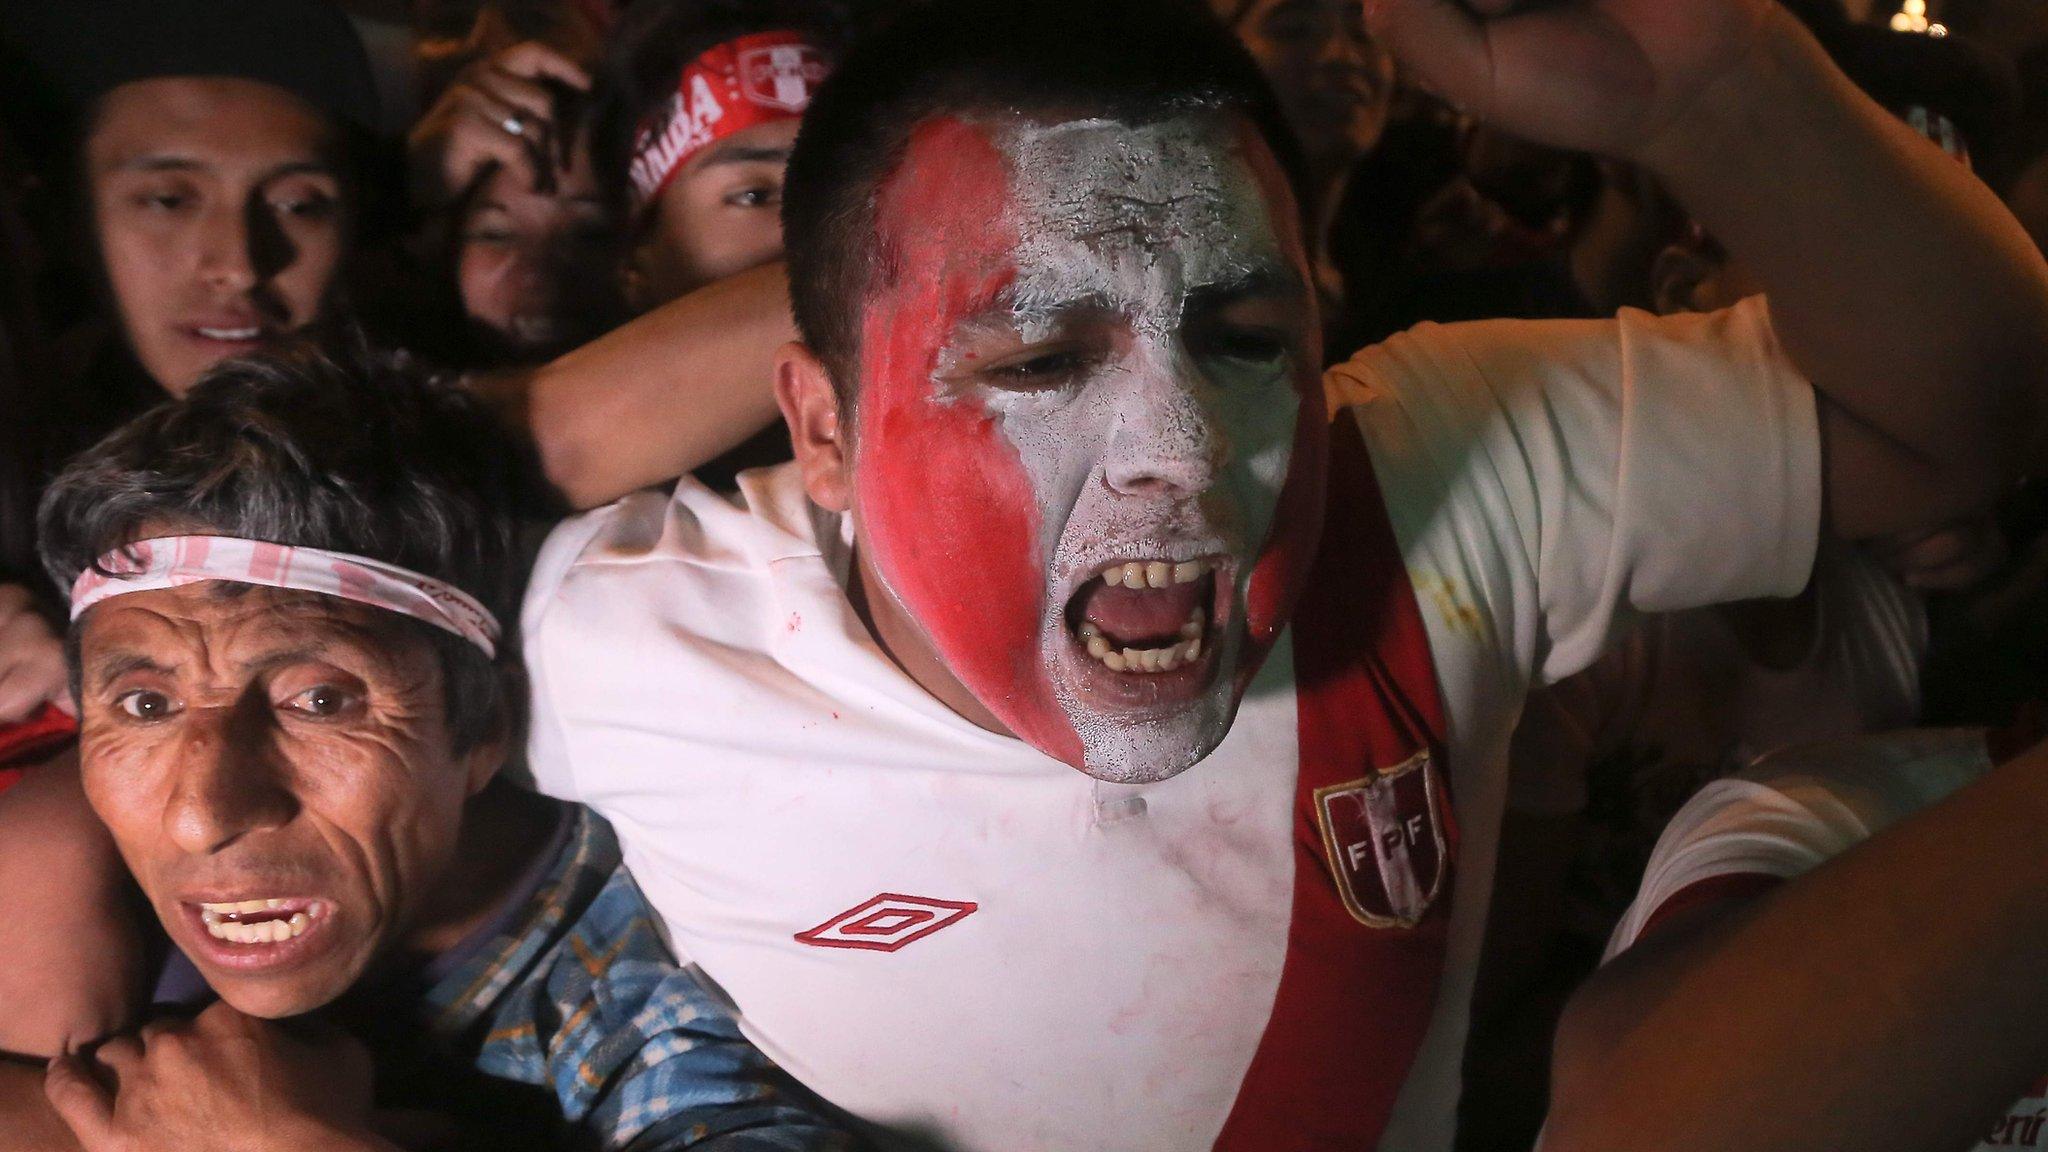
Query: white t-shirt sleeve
{"points": [[548, 767], [1797, 808], [1589, 469]]}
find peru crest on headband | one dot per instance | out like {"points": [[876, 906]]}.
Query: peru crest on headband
{"points": [[756, 79]]}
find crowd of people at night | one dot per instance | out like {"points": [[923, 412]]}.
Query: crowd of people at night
{"points": [[1023, 575]]}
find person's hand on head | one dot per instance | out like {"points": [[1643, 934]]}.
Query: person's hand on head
{"points": [[31, 658], [222, 1080], [501, 112], [1595, 75]]}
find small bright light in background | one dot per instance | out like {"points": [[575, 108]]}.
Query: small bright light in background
{"points": [[1912, 17]]}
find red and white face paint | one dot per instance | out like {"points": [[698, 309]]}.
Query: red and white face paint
{"points": [[1089, 450]]}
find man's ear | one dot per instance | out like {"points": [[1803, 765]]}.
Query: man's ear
{"points": [[487, 757], [482, 763], [810, 406], [1680, 275]]}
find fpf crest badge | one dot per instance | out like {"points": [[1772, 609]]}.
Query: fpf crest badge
{"points": [[782, 76], [1384, 836]]}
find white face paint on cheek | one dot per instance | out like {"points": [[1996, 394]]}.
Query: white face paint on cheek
{"points": [[1148, 452]]}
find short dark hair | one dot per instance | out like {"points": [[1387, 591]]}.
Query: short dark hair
{"points": [[1136, 60], [647, 50], [347, 451]]}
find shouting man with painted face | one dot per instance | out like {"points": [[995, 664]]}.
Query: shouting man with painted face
{"points": [[1087, 742]]}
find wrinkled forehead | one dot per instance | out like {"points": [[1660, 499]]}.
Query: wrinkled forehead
{"points": [[1129, 212], [241, 625]]}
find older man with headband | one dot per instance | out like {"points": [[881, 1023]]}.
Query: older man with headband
{"points": [[286, 594]]}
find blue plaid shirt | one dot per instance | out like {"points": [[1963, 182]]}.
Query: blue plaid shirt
{"points": [[578, 994]]}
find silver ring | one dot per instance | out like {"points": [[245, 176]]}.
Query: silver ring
{"points": [[514, 125]]}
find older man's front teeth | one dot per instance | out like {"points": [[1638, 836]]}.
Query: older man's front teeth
{"points": [[1155, 573], [1166, 659], [229, 921]]}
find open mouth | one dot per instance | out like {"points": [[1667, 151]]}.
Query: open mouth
{"points": [[260, 933], [239, 336], [1147, 617]]}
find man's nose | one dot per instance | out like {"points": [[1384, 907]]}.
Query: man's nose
{"points": [[1166, 440], [227, 256], [229, 782]]}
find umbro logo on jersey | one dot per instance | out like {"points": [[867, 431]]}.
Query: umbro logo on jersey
{"points": [[887, 922]]}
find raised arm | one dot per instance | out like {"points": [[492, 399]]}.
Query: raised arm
{"points": [[1899, 285], [659, 396]]}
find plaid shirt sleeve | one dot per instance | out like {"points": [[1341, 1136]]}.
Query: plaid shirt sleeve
{"points": [[639, 1054]]}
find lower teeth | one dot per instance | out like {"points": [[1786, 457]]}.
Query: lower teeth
{"points": [[1143, 660]]}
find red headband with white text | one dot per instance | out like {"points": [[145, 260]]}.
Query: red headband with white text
{"points": [[755, 79]]}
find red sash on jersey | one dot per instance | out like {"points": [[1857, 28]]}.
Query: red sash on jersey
{"points": [[1373, 837]]}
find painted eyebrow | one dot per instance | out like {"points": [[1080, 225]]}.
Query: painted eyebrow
{"points": [[1002, 310], [1261, 283]]}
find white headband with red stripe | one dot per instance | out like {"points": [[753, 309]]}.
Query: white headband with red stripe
{"points": [[755, 79], [173, 561]]}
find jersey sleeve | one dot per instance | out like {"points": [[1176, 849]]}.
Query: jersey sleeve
{"points": [[1797, 809], [551, 646], [1558, 476]]}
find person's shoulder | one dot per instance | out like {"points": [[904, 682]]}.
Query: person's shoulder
{"points": [[1496, 354], [691, 524], [661, 545], [1880, 777], [600, 961], [633, 1045]]}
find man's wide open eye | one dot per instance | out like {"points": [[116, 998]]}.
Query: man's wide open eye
{"points": [[321, 701], [146, 704]]}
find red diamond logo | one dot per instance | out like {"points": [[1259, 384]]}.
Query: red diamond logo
{"points": [[887, 922]]}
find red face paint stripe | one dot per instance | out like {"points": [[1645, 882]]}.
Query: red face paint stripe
{"points": [[949, 512]]}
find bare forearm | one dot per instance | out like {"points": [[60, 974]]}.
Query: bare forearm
{"points": [[1891, 1001], [1899, 284], [27, 1122], [72, 939], [659, 396]]}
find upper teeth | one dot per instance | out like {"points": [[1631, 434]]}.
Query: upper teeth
{"points": [[230, 333], [1154, 573], [241, 907], [220, 927]]}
